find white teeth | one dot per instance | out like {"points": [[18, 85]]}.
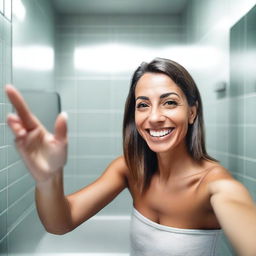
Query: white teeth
{"points": [[160, 133]]}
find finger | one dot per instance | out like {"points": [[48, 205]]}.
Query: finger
{"points": [[29, 143], [60, 129], [21, 107], [16, 125]]}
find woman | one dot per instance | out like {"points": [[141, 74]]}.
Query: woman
{"points": [[181, 196]]}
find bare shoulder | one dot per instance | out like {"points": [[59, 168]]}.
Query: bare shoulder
{"points": [[217, 172], [220, 181]]}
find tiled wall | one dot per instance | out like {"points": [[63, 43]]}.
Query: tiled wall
{"points": [[5, 77], [94, 97], [229, 115], [32, 25]]}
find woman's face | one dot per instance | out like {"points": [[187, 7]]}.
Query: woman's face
{"points": [[162, 113]]}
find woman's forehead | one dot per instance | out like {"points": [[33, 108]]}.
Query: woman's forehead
{"points": [[156, 83]]}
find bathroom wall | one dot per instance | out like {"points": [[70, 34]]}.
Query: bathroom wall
{"points": [[229, 115], [5, 77], [95, 57], [31, 36]]}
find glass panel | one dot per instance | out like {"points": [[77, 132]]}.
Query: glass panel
{"points": [[8, 9]]}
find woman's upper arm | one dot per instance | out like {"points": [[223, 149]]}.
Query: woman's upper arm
{"points": [[88, 201], [236, 212]]}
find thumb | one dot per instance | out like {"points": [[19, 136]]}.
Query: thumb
{"points": [[60, 129]]}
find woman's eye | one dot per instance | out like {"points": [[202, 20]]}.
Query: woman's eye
{"points": [[171, 103], [142, 105]]}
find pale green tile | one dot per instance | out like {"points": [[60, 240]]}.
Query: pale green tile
{"points": [[3, 179], [222, 111], [211, 135], [3, 157], [3, 222], [119, 93], [92, 166], [223, 159], [18, 189], [4, 247], [26, 237], [236, 140], [17, 210], [2, 113], [98, 146], [9, 136], [3, 200], [250, 142], [94, 94], [250, 168], [250, 106], [236, 110], [13, 155], [98, 122], [236, 165], [16, 171], [210, 113], [222, 138], [2, 128], [72, 146]]}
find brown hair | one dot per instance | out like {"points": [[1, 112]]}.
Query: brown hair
{"points": [[140, 159]]}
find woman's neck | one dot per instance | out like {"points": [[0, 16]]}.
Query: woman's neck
{"points": [[177, 163]]}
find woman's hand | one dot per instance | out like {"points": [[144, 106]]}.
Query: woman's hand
{"points": [[43, 153]]}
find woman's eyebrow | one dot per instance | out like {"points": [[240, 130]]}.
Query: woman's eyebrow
{"points": [[142, 98], [161, 96], [168, 94]]}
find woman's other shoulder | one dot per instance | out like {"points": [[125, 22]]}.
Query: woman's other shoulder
{"points": [[217, 172], [218, 178]]}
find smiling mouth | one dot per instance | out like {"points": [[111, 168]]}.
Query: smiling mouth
{"points": [[159, 132]]}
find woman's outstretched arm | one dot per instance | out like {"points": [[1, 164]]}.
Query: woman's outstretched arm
{"points": [[61, 214], [236, 213], [45, 155]]}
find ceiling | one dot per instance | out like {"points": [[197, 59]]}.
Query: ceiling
{"points": [[120, 6]]}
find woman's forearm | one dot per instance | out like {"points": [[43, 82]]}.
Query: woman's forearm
{"points": [[52, 205]]}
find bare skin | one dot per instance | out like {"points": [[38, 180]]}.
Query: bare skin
{"points": [[197, 195]]}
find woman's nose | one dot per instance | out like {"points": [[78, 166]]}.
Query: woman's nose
{"points": [[156, 115]]}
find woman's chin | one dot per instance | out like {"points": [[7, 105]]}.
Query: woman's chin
{"points": [[159, 148]]}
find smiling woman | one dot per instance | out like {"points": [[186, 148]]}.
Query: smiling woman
{"points": [[179, 192]]}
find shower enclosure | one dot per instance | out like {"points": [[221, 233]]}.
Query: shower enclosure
{"points": [[88, 59]]}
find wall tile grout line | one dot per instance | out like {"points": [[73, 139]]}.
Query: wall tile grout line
{"points": [[19, 220], [18, 180], [24, 195], [233, 155]]}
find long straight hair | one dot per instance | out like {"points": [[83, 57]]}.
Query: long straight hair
{"points": [[140, 159]]}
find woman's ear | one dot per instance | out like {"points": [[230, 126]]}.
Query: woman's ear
{"points": [[192, 113]]}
